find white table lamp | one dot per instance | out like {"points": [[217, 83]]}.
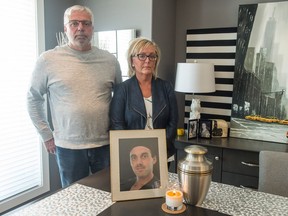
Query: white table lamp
{"points": [[195, 78]]}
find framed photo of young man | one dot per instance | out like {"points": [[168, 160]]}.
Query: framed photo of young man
{"points": [[192, 128], [138, 164], [205, 128]]}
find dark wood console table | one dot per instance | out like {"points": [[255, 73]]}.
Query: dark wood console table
{"points": [[235, 160]]}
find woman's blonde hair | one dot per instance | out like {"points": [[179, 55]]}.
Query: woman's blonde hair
{"points": [[136, 46]]}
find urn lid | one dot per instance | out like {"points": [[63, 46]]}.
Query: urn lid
{"points": [[195, 149], [195, 161]]}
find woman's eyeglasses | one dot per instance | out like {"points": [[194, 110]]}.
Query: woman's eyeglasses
{"points": [[143, 57]]}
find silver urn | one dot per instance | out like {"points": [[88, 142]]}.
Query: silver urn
{"points": [[194, 173]]}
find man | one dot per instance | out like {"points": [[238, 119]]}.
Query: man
{"points": [[142, 161], [78, 79]]}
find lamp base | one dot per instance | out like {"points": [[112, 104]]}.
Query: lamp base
{"points": [[195, 109]]}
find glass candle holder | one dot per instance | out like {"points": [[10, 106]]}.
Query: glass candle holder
{"points": [[174, 200]]}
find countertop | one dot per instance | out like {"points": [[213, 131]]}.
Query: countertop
{"points": [[91, 196]]}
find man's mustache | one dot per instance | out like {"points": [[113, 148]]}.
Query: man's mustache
{"points": [[140, 166]]}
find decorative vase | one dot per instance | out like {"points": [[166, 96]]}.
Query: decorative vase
{"points": [[194, 173]]}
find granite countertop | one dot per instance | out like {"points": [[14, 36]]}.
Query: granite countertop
{"points": [[233, 200], [76, 199], [83, 200]]}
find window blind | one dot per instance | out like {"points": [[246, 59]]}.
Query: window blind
{"points": [[22, 162]]}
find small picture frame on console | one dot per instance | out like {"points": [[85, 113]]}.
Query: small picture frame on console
{"points": [[205, 128], [192, 128]]}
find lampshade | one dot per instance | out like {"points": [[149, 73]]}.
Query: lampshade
{"points": [[195, 78]]}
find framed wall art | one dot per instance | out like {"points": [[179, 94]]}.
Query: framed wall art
{"points": [[138, 164], [216, 46], [260, 96]]}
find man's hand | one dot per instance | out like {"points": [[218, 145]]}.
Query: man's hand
{"points": [[50, 146]]}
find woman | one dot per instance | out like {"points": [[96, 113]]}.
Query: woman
{"points": [[204, 131], [145, 101]]}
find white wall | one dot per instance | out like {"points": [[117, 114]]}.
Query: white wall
{"points": [[122, 14]]}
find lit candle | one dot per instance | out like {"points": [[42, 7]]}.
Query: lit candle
{"points": [[174, 199]]}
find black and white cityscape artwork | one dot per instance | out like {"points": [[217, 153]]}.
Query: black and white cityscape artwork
{"points": [[260, 94]]}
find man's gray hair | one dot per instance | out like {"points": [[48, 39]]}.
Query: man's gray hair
{"points": [[69, 11]]}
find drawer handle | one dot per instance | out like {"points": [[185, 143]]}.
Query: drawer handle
{"points": [[216, 158], [249, 164]]}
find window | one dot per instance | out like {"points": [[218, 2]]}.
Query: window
{"points": [[23, 164], [117, 43]]}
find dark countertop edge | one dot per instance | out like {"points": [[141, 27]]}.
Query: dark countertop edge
{"points": [[232, 143]]}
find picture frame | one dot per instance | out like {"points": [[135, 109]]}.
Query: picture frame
{"points": [[205, 128], [260, 99], [219, 128], [192, 129], [124, 173]]}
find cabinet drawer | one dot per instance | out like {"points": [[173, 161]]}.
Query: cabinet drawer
{"points": [[240, 180], [215, 156], [241, 162]]}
